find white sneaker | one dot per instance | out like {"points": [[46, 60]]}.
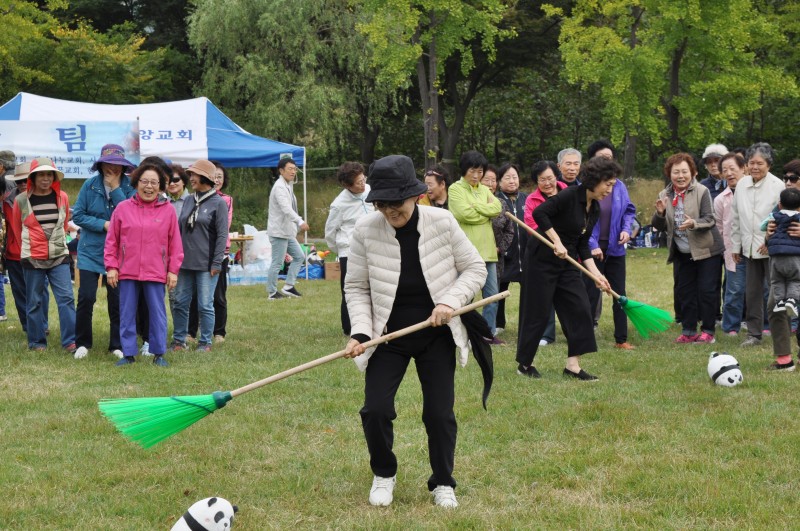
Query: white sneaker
{"points": [[117, 353], [445, 496], [3, 317], [145, 350], [543, 343], [380, 494], [81, 352], [500, 331]]}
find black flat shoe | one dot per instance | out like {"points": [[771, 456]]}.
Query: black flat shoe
{"points": [[582, 375], [530, 372]]}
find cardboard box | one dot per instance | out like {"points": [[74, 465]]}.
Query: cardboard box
{"points": [[332, 271]]}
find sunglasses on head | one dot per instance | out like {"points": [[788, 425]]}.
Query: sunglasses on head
{"points": [[791, 178], [383, 205], [431, 172]]}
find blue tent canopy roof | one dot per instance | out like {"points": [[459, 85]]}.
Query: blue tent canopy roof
{"points": [[224, 140]]}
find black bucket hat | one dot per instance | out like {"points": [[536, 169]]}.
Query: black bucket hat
{"points": [[393, 178]]}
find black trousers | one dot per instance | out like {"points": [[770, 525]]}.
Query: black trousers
{"points": [[550, 282], [697, 291], [613, 267], [345, 314], [434, 356], [87, 296], [220, 305], [500, 320]]}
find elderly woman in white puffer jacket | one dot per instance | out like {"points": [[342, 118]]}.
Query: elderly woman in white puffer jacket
{"points": [[409, 264]]}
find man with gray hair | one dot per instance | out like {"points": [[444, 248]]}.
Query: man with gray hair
{"points": [[569, 164], [9, 161]]}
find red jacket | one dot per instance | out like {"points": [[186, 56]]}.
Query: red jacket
{"points": [[143, 241], [27, 231]]}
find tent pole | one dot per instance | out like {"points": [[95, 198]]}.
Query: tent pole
{"points": [[305, 208]]}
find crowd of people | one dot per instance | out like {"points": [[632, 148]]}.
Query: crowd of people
{"points": [[142, 233]]}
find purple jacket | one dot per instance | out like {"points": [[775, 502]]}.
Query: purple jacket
{"points": [[143, 241], [622, 214]]}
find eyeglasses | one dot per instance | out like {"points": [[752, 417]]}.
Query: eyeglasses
{"points": [[175, 179], [154, 184], [791, 178], [431, 172], [383, 205]]}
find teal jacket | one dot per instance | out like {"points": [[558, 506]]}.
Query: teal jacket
{"points": [[474, 207], [91, 211]]}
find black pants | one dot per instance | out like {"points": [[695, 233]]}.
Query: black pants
{"points": [[220, 305], [434, 356], [697, 291], [345, 314], [548, 282], [613, 267], [87, 296], [500, 320]]}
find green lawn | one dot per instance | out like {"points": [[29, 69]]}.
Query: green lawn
{"points": [[652, 445]]}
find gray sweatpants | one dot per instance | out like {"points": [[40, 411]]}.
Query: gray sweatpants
{"points": [[784, 277]]}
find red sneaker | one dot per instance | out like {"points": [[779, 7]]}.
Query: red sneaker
{"points": [[705, 338], [683, 338]]}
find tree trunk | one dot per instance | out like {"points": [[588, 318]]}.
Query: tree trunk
{"points": [[673, 114], [629, 166], [451, 134], [429, 95]]}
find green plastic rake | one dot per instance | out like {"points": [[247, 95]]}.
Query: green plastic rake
{"points": [[646, 319], [149, 420]]}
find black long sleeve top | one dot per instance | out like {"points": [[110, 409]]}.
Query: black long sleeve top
{"points": [[566, 213]]}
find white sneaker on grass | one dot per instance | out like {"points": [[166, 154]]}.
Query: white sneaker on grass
{"points": [[117, 353], [80, 353], [381, 493], [445, 496], [145, 350]]}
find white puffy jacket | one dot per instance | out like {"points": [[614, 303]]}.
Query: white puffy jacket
{"points": [[346, 209], [453, 269], [283, 221]]}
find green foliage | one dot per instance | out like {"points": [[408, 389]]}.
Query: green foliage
{"points": [[294, 71], [402, 30], [627, 49], [44, 56]]}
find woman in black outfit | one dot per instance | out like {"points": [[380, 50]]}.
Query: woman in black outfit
{"points": [[567, 219]]}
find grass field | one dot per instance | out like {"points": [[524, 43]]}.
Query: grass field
{"points": [[652, 445]]}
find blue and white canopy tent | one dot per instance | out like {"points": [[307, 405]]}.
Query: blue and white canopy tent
{"points": [[72, 133], [182, 131]]}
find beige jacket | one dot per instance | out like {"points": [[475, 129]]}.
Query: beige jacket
{"points": [[704, 238], [453, 269]]}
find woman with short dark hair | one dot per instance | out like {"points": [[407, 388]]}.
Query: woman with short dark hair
{"points": [[348, 207], [549, 281], [684, 211], [143, 254]]}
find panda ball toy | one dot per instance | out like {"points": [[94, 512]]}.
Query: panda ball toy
{"points": [[211, 514], [723, 369]]}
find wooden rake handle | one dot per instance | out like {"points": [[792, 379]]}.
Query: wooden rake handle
{"points": [[550, 244], [371, 343]]}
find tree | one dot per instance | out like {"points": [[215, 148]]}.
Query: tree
{"points": [[681, 73], [44, 56], [422, 35], [297, 71]]}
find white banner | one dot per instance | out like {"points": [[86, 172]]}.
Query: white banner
{"points": [[74, 146]]}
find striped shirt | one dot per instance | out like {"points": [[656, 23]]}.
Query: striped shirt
{"points": [[45, 209]]}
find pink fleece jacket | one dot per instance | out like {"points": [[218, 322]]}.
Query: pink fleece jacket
{"points": [[143, 241]]}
